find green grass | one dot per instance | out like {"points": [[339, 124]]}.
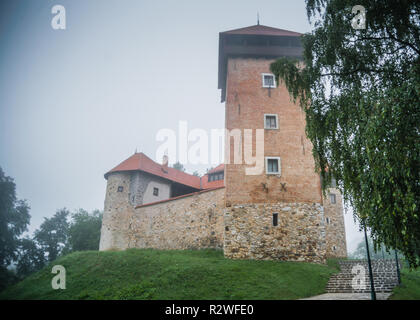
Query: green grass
{"points": [[410, 286], [159, 274]]}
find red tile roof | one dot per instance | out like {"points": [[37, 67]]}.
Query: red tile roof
{"points": [[139, 161], [259, 29], [220, 167]]}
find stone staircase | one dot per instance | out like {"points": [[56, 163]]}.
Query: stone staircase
{"points": [[354, 276]]}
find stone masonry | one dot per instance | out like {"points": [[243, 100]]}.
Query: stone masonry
{"points": [[188, 222], [299, 235]]}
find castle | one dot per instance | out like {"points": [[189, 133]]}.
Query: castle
{"points": [[279, 214]]}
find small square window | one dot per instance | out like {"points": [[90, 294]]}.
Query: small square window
{"points": [[275, 219], [268, 80], [332, 198], [272, 165], [270, 121], [120, 189], [155, 191]]}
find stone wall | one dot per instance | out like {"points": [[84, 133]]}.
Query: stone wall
{"points": [[335, 234], [187, 222], [299, 236]]}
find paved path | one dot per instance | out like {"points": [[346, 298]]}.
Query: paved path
{"points": [[348, 296]]}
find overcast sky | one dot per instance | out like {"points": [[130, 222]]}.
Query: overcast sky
{"points": [[76, 102]]}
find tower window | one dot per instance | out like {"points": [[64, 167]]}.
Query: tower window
{"points": [[332, 198], [270, 121], [155, 191], [327, 220], [333, 183], [275, 219], [268, 80], [272, 165], [120, 189]]}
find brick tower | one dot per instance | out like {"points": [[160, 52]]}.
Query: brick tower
{"points": [[279, 212]]}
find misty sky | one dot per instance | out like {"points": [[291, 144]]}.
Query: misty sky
{"points": [[74, 103]]}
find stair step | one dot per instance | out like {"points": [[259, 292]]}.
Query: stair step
{"points": [[384, 277]]}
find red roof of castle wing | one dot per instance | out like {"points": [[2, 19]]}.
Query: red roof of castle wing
{"points": [[139, 161], [259, 29], [220, 167]]}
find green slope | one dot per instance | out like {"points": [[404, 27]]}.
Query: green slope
{"points": [[410, 286], [158, 274]]}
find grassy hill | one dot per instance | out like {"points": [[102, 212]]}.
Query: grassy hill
{"points": [[410, 287], [157, 274]]}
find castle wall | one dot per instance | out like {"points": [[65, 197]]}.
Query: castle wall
{"points": [[189, 222], [335, 235], [299, 236], [247, 102]]}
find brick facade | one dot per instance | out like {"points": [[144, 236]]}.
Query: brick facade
{"points": [[247, 102]]}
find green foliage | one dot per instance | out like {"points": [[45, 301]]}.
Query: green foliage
{"points": [[14, 219], [172, 275], [30, 258], [85, 231], [179, 166], [410, 286], [52, 235], [360, 90]]}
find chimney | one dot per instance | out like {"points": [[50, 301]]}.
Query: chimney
{"points": [[165, 163]]}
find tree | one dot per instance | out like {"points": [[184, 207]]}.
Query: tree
{"points": [[360, 90], [179, 166], [380, 252], [85, 230], [14, 219], [196, 173], [52, 235], [30, 258]]}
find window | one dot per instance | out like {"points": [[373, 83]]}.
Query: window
{"points": [[334, 248], [268, 80], [272, 165], [155, 191], [332, 198], [216, 176], [327, 220], [120, 189], [275, 219], [270, 121]]}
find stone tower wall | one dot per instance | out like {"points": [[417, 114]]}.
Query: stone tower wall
{"points": [[334, 226], [117, 212], [299, 235]]}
